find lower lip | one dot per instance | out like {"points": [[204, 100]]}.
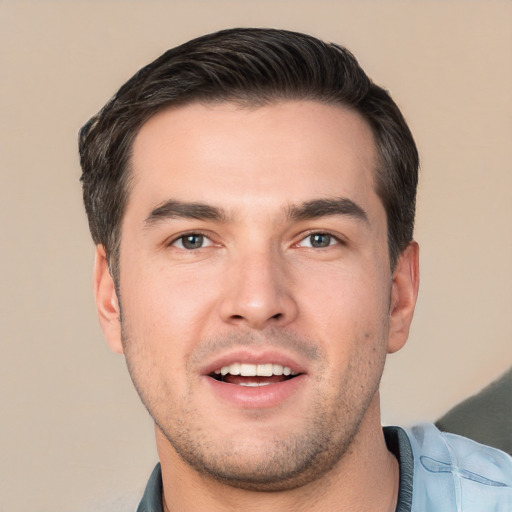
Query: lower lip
{"points": [[267, 396]]}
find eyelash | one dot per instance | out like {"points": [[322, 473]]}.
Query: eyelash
{"points": [[183, 236], [333, 238]]}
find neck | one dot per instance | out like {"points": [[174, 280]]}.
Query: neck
{"points": [[365, 478]]}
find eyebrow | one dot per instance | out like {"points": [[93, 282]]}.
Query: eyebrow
{"points": [[327, 207], [174, 209]]}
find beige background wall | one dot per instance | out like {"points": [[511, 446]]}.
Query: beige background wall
{"points": [[73, 436]]}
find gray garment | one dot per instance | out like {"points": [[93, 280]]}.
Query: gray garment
{"points": [[485, 417], [152, 499]]}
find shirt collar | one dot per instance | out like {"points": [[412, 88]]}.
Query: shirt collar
{"points": [[397, 442], [152, 498]]}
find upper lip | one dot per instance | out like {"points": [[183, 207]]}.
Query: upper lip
{"points": [[248, 356]]}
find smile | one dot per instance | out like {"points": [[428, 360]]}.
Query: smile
{"points": [[253, 375]]}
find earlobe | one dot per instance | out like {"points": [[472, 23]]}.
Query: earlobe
{"points": [[107, 303], [404, 293]]}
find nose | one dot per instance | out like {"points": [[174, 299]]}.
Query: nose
{"points": [[258, 292]]}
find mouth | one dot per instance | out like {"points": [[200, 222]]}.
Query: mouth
{"points": [[253, 375], [245, 379]]}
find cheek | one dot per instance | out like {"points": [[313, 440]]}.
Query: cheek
{"points": [[344, 296], [348, 312], [164, 308]]}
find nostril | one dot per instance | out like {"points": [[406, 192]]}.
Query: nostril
{"points": [[257, 319], [277, 316]]}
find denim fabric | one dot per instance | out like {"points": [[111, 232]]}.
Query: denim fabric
{"points": [[455, 474], [438, 473]]}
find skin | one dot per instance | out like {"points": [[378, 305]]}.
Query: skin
{"points": [[258, 284]]}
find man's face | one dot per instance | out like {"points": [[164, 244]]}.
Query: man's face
{"points": [[255, 288]]}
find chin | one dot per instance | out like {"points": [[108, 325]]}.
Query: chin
{"points": [[281, 462]]}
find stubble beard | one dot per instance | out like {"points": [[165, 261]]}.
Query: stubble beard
{"points": [[283, 462]]}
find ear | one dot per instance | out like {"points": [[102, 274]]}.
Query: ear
{"points": [[107, 302], [404, 292]]}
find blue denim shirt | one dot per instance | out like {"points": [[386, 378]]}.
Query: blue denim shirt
{"points": [[439, 472], [455, 474]]}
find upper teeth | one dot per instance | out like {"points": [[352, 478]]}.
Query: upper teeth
{"points": [[255, 370]]}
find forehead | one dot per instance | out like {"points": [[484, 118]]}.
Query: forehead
{"points": [[226, 153]]}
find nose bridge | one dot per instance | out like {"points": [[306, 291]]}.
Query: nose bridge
{"points": [[259, 289]]}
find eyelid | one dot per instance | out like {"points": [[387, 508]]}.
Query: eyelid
{"points": [[337, 238], [176, 238]]}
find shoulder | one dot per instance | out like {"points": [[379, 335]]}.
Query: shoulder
{"points": [[453, 473]]}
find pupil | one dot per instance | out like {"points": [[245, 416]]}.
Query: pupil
{"points": [[320, 240], [192, 241]]}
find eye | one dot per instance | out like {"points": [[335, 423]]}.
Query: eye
{"points": [[192, 241], [318, 241]]}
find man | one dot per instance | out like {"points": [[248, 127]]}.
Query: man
{"points": [[251, 194]]}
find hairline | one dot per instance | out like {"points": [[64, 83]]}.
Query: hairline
{"points": [[242, 100]]}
